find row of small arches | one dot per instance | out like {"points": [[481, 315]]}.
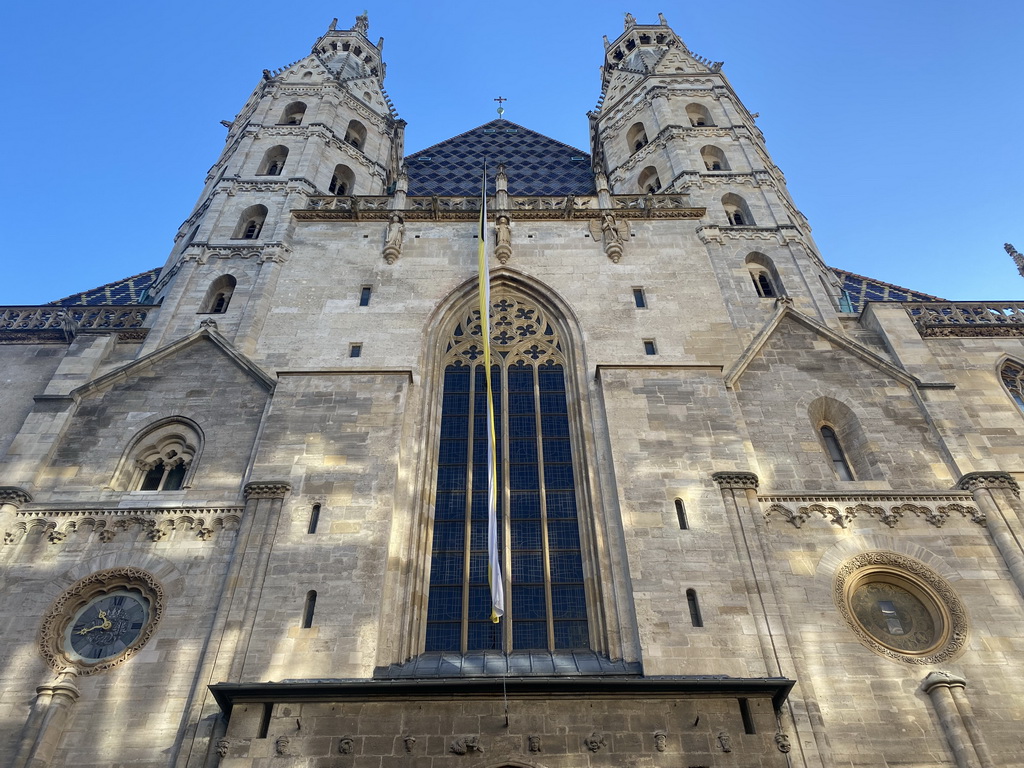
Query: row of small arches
{"points": [[295, 113]]}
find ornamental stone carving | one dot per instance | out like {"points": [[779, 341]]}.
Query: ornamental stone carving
{"points": [[782, 742], [466, 744], [595, 741], [739, 480], [533, 743], [281, 745], [271, 489], [724, 741], [223, 745], [410, 743], [996, 481], [345, 745], [503, 239], [660, 740]]}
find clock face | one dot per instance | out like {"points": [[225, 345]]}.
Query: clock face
{"points": [[107, 625]]}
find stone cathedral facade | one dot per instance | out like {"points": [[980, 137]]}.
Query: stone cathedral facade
{"points": [[754, 510]]}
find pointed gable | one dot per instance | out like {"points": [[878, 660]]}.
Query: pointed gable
{"points": [[535, 164]]}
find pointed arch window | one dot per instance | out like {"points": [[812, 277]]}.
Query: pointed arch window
{"points": [[539, 531], [1012, 376], [835, 452]]}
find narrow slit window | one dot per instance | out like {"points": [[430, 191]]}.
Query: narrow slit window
{"points": [[639, 298], [356, 350], [691, 601], [649, 348], [748, 720], [364, 296], [309, 609], [268, 710], [835, 452], [314, 519], [681, 514]]}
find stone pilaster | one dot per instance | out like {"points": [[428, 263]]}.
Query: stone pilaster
{"points": [[944, 689], [49, 716], [998, 496]]}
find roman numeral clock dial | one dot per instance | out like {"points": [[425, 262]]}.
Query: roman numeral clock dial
{"points": [[107, 625]]}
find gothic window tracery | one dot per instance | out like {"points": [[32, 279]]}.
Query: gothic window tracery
{"points": [[1012, 376], [162, 458], [539, 532]]}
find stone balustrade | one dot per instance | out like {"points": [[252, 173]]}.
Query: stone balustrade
{"points": [[62, 323], [967, 318]]}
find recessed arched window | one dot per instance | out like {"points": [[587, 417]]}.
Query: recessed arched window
{"points": [[648, 180], [714, 158], [537, 488], [218, 296], [1012, 375], [293, 114], [764, 276], [737, 211], [308, 609], [636, 137], [355, 134], [835, 452], [681, 515], [314, 519], [250, 223], [162, 458], [342, 180], [694, 606], [273, 161], [699, 115]]}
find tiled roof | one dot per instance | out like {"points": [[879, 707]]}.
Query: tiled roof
{"points": [[535, 164], [862, 289], [126, 291]]}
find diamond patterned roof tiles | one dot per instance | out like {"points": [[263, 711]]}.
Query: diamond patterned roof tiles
{"points": [[862, 289], [126, 291], [535, 164]]}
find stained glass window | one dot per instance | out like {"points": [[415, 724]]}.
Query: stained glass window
{"points": [[537, 502]]}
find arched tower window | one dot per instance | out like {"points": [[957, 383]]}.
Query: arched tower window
{"points": [[162, 458], [835, 452], [737, 211], [762, 273], [636, 137], [1012, 376], [538, 493], [250, 223], [293, 114], [355, 134], [218, 296], [342, 180], [273, 161], [699, 115], [714, 158], [648, 180]]}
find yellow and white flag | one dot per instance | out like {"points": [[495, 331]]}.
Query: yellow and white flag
{"points": [[493, 552]]}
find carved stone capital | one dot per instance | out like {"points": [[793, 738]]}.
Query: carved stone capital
{"points": [[1001, 481], [271, 489], [943, 679], [10, 494], [741, 480]]}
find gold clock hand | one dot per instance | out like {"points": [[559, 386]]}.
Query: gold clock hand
{"points": [[105, 624]]}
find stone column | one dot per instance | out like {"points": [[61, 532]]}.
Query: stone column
{"points": [[963, 706], [938, 686], [50, 713], [12, 498], [997, 495]]}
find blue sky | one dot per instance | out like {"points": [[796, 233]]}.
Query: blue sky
{"points": [[897, 125]]}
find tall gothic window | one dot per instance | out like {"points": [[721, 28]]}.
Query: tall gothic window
{"points": [[1012, 374], [538, 527]]}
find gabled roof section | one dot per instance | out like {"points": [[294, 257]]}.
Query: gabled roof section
{"points": [[862, 289], [535, 164], [126, 291]]}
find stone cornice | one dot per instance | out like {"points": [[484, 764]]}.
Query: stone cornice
{"points": [[994, 480], [270, 489], [737, 480]]}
